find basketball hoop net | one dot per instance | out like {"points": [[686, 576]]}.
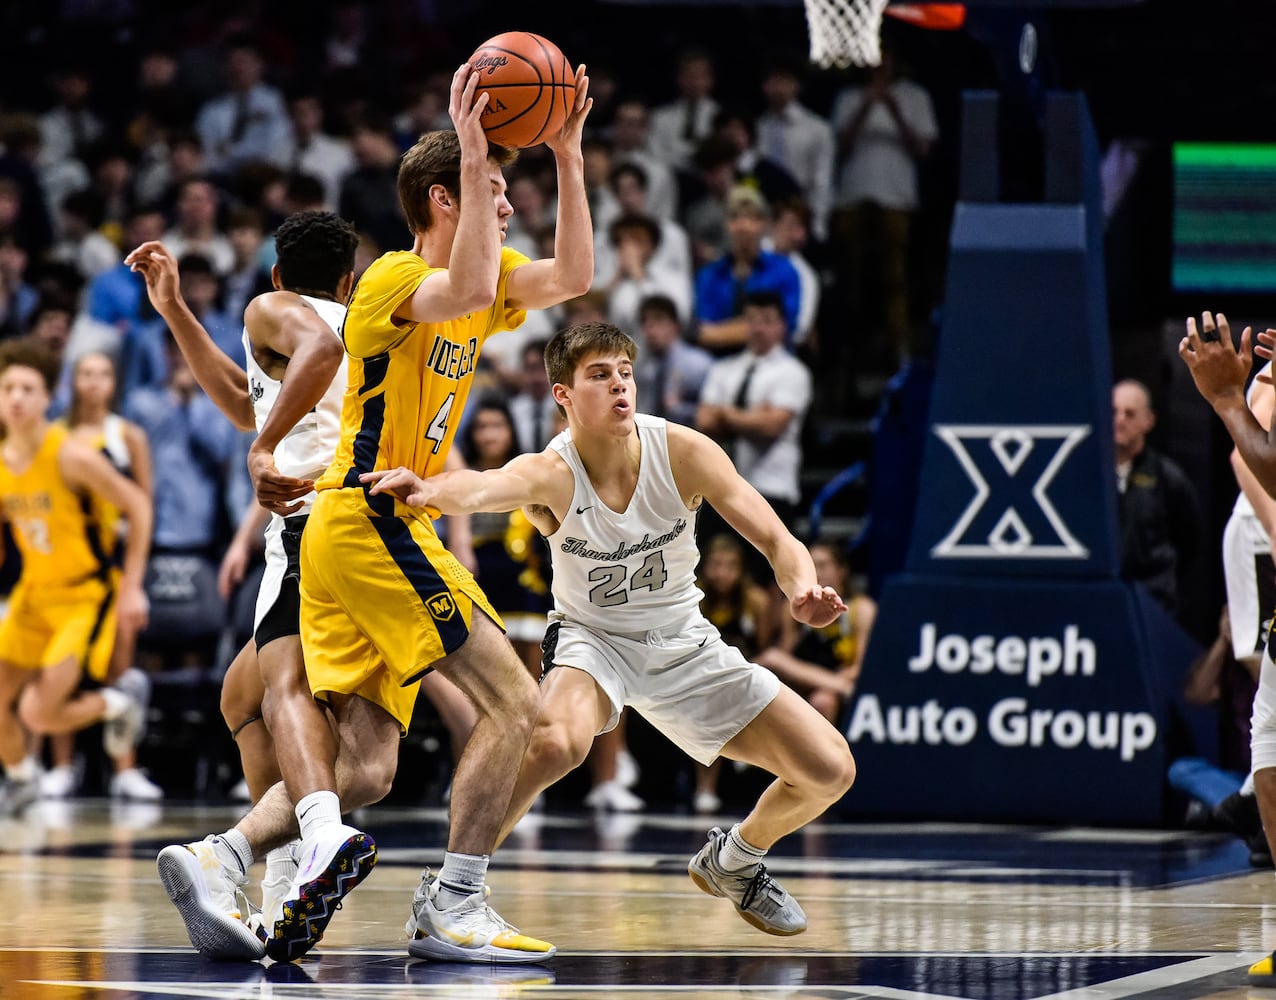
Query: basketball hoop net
{"points": [[845, 32]]}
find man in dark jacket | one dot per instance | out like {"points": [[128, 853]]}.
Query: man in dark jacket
{"points": [[1158, 510]]}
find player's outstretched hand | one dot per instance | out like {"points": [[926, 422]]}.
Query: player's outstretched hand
{"points": [[278, 493], [1218, 369], [402, 483], [467, 110], [816, 606], [1266, 349], [569, 136], [159, 269]]}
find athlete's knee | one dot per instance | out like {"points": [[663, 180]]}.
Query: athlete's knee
{"points": [[555, 749], [369, 782], [830, 773], [36, 714], [238, 710]]}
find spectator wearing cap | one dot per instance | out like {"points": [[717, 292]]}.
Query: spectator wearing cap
{"points": [[723, 285]]}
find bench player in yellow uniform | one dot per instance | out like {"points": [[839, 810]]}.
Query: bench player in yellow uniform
{"points": [[64, 610]]}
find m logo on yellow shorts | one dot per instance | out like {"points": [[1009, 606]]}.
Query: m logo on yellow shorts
{"points": [[441, 606]]}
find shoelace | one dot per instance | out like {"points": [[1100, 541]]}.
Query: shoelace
{"points": [[759, 885]]}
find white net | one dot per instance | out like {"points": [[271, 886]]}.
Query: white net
{"points": [[845, 32]]}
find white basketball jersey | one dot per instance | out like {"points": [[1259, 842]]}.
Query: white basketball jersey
{"points": [[1243, 507], [307, 449], [627, 572]]}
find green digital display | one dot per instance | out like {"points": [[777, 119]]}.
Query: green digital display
{"points": [[1224, 217]]}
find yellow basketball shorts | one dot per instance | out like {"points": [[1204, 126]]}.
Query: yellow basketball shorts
{"points": [[381, 600], [46, 625]]}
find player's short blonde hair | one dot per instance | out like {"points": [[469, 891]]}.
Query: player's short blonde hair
{"points": [[568, 348], [435, 158]]}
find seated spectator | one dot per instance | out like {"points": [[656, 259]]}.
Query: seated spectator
{"points": [[81, 244], [705, 214], [678, 126], [250, 275], [723, 285], [754, 403], [738, 128], [194, 448], [310, 150], [635, 239], [824, 663], [533, 410], [669, 372], [629, 140], [117, 298], [672, 255], [790, 231], [247, 122], [196, 231], [370, 192], [17, 297]]}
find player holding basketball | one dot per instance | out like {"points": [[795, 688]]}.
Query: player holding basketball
{"points": [[64, 610], [382, 601], [617, 495], [1220, 372]]}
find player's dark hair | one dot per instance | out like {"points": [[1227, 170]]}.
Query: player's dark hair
{"points": [[435, 158], [567, 348], [28, 352], [765, 299], [315, 251]]}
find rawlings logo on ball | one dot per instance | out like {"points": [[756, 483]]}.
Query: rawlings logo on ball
{"points": [[490, 64]]}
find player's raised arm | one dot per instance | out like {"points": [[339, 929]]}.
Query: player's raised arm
{"points": [[219, 376], [539, 479], [702, 469], [473, 266], [569, 273], [1220, 370]]}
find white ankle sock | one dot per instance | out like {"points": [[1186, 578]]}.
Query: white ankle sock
{"points": [[316, 810], [280, 862], [737, 853], [233, 851], [461, 876]]}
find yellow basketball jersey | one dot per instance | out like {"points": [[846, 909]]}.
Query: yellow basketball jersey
{"points": [[408, 382], [110, 519], [55, 527]]}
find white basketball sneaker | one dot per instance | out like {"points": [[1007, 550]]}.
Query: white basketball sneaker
{"points": [[470, 931], [209, 897], [758, 898]]}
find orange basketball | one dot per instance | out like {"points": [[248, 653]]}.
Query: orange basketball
{"points": [[529, 84]]}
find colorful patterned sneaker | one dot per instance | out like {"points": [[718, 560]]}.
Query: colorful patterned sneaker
{"points": [[333, 861], [1263, 972], [470, 931], [208, 895], [758, 898]]}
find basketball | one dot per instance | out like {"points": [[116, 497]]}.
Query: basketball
{"points": [[529, 84]]}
